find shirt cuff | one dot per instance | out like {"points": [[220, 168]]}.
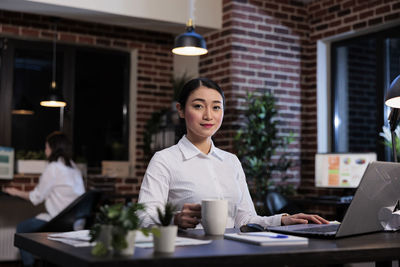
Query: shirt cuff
{"points": [[33, 198]]}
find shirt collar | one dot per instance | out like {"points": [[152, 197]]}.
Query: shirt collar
{"points": [[189, 150]]}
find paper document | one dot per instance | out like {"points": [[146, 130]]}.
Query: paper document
{"points": [[180, 241], [267, 239], [73, 238], [82, 238]]}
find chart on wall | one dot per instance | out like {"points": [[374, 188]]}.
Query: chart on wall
{"points": [[342, 169]]}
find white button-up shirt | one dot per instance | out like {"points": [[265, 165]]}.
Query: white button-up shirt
{"points": [[183, 174], [58, 186]]}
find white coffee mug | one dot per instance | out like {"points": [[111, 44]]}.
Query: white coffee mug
{"points": [[214, 214]]}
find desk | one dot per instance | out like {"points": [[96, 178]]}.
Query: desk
{"points": [[222, 252], [12, 211]]}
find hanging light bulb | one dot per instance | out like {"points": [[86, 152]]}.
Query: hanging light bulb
{"points": [[23, 107], [54, 98], [190, 43]]}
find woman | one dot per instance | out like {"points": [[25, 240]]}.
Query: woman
{"points": [[59, 185], [194, 169]]}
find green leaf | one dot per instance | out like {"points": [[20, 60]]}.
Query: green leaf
{"points": [[257, 141], [99, 250]]}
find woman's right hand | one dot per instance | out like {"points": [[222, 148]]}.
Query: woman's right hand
{"points": [[189, 216], [16, 192], [12, 191]]}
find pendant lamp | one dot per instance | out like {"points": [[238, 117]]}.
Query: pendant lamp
{"points": [[190, 43], [54, 98], [23, 107]]}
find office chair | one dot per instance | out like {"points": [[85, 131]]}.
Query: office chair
{"points": [[80, 210], [276, 203]]}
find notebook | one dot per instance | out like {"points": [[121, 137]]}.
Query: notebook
{"points": [[267, 239], [378, 190]]}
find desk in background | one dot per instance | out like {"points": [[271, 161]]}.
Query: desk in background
{"points": [[12, 211], [382, 247]]}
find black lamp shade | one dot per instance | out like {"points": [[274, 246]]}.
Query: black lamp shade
{"points": [[23, 107], [190, 43], [54, 98], [392, 98]]}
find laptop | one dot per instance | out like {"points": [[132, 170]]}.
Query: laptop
{"points": [[378, 191]]}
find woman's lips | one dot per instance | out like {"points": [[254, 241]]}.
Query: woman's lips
{"points": [[207, 125]]}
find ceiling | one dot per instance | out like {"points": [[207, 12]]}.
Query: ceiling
{"points": [[95, 16]]}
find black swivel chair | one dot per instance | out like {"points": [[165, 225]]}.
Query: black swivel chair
{"points": [[276, 203], [81, 208]]}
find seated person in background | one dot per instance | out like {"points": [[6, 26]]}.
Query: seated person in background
{"points": [[194, 169], [59, 185]]}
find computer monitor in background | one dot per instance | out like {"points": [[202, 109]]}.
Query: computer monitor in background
{"points": [[6, 162], [341, 170]]}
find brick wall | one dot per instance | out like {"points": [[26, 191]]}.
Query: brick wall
{"points": [[155, 64], [259, 49], [362, 96]]}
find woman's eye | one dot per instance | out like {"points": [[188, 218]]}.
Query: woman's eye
{"points": [[197, 106], [217, 107]]}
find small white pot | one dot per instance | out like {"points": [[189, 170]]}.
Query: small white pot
{"points": [[130, 239], [31, 166], [165, 243]]}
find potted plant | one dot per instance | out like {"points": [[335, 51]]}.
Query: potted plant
{"points": [[256, 143], [115, 229], [387, 139], [165, 234], [30, 161]]}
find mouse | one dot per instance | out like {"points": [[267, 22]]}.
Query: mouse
{"points": [[251, 227]]}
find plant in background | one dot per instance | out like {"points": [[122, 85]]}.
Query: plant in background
{"points": [[121, 218], [387, 139], [257, 142], [30, 155], [163, 118]]}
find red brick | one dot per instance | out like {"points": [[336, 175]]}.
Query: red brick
{"points": [[29, 32], [383, 9], [68, 37], [10, 29]]}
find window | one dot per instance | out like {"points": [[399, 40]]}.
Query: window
{"points": [[95, 83], [362, 69], [101, 106]]}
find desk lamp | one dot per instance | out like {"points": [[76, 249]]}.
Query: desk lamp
{"points": [[392, 100]]}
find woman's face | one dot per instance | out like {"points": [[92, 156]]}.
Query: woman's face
{"points": [[47, 150], [203, 113]]}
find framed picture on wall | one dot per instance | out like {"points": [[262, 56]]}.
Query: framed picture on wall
{"points": [[6, 162]]}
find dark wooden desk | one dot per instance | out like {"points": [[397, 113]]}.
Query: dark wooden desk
{"points": [[371, 247]]}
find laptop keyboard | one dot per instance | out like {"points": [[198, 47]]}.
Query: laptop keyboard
{"points": [[320, 229]]}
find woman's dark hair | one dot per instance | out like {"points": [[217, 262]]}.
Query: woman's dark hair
{"points": [[60, 147], [193, 84]]}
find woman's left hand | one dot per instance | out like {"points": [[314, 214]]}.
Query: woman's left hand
{"points": [[301, 218]]}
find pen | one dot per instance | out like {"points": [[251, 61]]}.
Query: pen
{"points": [[265, 235]]}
